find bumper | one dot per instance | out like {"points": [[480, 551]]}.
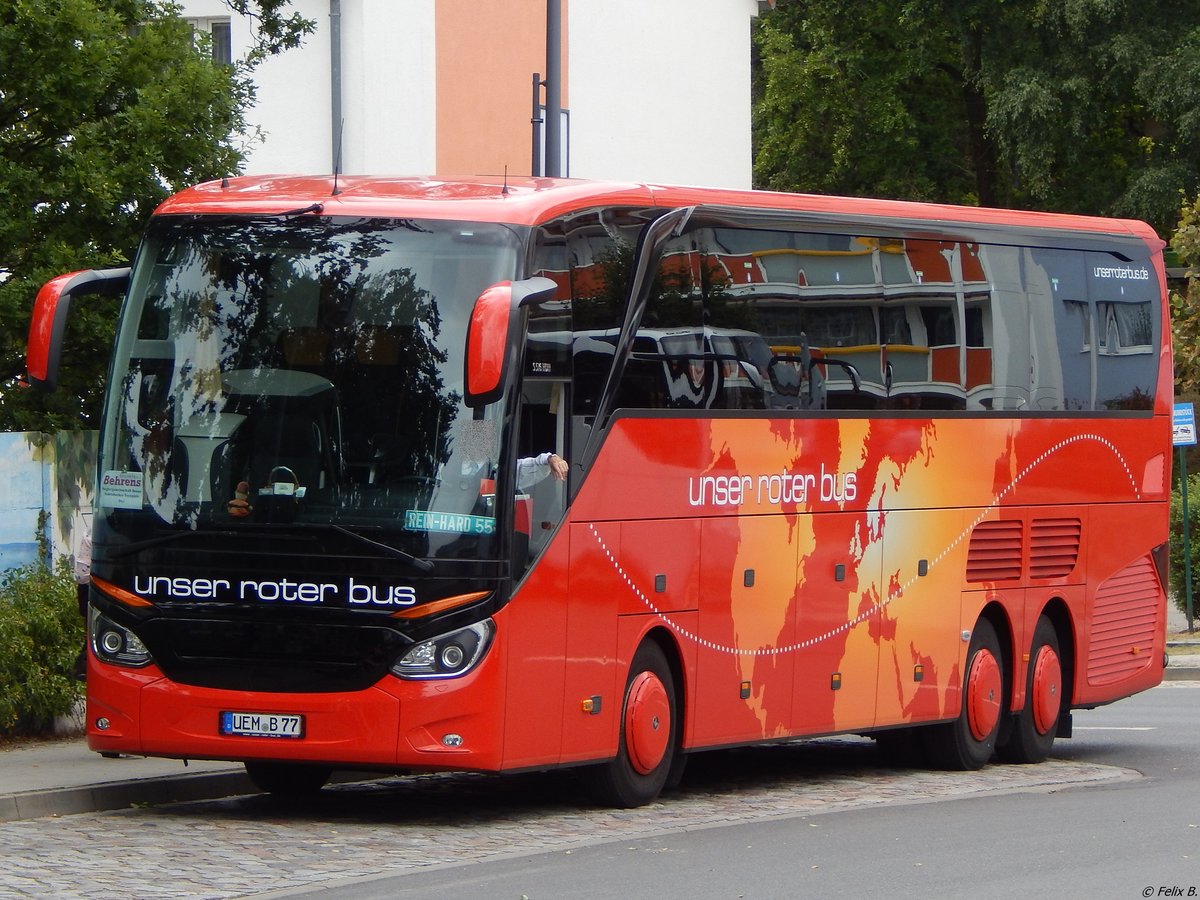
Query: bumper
{"points": [[393, 725]]}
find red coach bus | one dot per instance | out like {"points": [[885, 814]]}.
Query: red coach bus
{"points": [[835, 466]]}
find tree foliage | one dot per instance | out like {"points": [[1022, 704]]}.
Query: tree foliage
{"points": [[106, 108], [1088, 106], [1179, 549], [1185, 304], [276, 27]]}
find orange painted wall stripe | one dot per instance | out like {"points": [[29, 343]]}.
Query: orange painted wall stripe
{"points": [[486, 56]]}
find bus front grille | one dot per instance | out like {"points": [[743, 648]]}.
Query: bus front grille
{"points": [[258, 655]]}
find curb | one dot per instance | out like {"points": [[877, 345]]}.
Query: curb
{"points": [[123, 794], [1181, 673], [1183, 666]]}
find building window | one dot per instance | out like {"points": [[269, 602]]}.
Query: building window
{"points": [[220, 41]]}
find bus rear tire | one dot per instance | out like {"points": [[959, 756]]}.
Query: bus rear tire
{"points": [[648, 745], [969, 741], [285, 779], [1034, 728]]}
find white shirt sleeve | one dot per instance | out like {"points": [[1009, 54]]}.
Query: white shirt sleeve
{"points": [[532, 469]]}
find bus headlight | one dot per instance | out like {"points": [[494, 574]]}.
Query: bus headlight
{"points": [[448, 655], [113, 643]]}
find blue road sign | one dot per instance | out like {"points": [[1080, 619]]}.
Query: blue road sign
{"points": [[1183, 425]]}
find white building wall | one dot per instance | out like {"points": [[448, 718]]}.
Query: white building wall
{"points": [[660, 90], [388, 87], [289, 127]]}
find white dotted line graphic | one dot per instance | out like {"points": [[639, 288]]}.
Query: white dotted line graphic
{"points": [[895, 595]]}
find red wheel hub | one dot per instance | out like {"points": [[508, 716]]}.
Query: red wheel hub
{"points": [[984, 689], [1046, 690], [647, 722]]}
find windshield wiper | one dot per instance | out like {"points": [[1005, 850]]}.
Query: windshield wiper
{"points": [[304, 210], [421, 565]]}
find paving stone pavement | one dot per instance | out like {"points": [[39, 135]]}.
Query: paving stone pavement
{"points": [[247, 845]]}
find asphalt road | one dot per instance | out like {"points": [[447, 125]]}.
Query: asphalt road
{"points": [[1128, 838], [1114, 813]]}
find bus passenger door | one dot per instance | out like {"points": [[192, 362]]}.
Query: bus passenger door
{"points": [[540, 503], [537, 616]]}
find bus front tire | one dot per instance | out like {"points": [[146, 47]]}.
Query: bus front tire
{"points": [[1034, 727], [648, 745], [285, 779], [969, 741]]}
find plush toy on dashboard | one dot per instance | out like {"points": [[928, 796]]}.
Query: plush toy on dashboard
{"points": [[239, 506]]}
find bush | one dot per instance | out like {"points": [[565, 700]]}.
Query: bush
{"points": [[41, 633], [1178, 557]]}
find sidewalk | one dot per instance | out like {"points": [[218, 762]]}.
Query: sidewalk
{"points": [[63, 777]]}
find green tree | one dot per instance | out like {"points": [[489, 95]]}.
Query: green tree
{"points": [[1088, 106], [1185, 304], [1178, 550], [276, 28], [106, 108]]}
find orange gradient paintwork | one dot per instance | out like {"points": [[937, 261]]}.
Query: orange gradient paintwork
{"points": [[811, 572], [919, 487]]}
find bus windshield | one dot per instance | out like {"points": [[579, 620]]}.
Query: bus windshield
{"points": [[304, 372]]}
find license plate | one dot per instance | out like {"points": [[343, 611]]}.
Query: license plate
{"points": [[260, 724]]}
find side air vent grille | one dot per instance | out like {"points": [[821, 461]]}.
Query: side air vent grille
{"points": [[995, 552], [1054, 547], [1124, 623]]}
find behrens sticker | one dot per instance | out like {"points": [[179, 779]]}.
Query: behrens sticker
{"points": [[121, 490]]}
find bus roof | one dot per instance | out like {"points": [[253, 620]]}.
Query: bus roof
{"points": [[530, 201]]}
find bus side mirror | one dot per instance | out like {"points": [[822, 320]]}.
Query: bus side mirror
{"points": [[49, 322], [493, 336]]}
